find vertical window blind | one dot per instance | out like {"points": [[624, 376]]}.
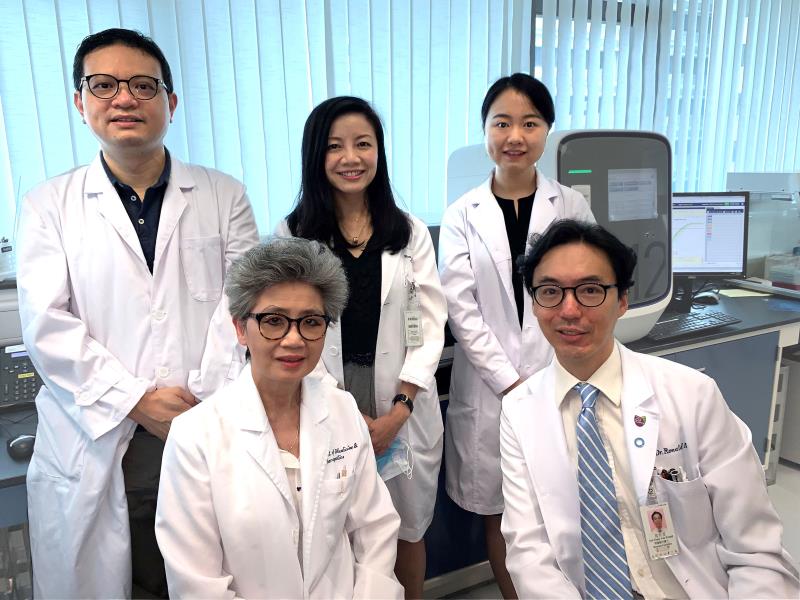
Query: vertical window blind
{"points": [[718, 78], [248, 72]]}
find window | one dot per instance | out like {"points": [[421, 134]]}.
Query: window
{"points": [[718, 78], [248, 72]]}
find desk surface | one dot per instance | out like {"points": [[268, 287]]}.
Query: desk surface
{"points": [[756, 314]]}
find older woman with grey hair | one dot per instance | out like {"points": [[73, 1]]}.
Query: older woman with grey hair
{"points": [[269, 489]]}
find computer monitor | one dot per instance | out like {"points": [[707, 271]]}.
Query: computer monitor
{"points": [[709, 237]]}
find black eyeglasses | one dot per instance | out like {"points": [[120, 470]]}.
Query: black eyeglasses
{"points": [[589, 295], [105, 87], [275, 326]]}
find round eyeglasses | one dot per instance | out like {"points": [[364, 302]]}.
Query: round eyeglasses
{"points": [[589, 295], [275, 326], [105, 87]]}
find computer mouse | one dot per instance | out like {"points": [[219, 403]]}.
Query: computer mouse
{"points": [[21, 447], [706, 298]]}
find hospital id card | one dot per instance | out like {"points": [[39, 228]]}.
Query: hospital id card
{"points": [[413, 328], [658, 531]]}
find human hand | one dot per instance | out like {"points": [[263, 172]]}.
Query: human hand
{"points": [[383, 430], [155, 410]]}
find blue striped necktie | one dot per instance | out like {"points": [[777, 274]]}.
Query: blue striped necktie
{"points": [[604, 563]]}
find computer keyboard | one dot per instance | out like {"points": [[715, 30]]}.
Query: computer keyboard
{"points": [[673, 326]]}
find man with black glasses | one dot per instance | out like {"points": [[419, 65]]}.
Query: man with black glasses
{"points": [[121, 265], [625, 475]]}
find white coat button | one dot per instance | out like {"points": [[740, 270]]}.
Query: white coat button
{"points": [[141, 221], [134, 198], [162, 372], [334, 351], [158, 315]]}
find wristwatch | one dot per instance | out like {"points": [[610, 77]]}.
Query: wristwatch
{"points": [[405, 400]]}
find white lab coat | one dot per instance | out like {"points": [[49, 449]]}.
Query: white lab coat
{"points": [[414, 498], [226, 521], [101, 331], [728, 532], [492, 352]]}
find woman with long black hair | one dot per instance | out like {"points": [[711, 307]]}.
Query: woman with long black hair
{"points": [[386, 348]]}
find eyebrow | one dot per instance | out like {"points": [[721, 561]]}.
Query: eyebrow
{"points": [[528, 116], [283, 311], [358, 137], [587, 279]]}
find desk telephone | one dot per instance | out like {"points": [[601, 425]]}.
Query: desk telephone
{"points": [[19, 381]]}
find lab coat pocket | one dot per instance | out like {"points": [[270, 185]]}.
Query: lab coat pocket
{"points": [[63, 463], [202, 267], [334, 503], [690, 506]]}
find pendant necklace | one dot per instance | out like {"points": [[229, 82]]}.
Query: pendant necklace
{"points": [[356, 237]]}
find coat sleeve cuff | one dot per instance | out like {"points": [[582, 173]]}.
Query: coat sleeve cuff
{"points": [[501, 380]]}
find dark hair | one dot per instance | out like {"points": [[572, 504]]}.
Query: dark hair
{"points": [[531, 87], [568, 231], [124, 37], [654, 513], [314, 215]]}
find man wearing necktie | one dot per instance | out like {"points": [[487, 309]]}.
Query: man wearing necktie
{"points": [[581, 438]]}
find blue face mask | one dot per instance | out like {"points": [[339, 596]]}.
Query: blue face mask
{"points": [[397, 459]]}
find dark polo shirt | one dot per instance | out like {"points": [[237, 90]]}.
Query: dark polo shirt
{"points": [[144, 214]]}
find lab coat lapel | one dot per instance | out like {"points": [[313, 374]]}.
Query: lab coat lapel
{"points": [[550, 466], [261, 444], [641, 415], [544, 212], [389, 265], [180, 182], [110, 206], [315, 440], [487, 220]]}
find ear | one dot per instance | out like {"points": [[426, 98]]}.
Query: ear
{"points": [[78, 101], [173, 104], [241, 330], [623, 304]]}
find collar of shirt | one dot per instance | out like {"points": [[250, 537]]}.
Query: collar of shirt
{"points": [[162, 180], [607, 379]]}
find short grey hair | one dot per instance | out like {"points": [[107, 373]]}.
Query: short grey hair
{"points": [[282, 260]]}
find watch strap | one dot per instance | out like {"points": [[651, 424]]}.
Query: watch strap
{"points": [[405, 400]]}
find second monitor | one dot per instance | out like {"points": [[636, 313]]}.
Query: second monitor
{"points": [[709, 238]]}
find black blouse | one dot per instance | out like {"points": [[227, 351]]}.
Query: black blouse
{"points": [[361, 316], [517, 233]]}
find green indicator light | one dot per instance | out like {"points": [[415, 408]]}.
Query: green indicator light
{"points": [[579, 171]]}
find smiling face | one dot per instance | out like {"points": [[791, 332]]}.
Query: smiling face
{"points": [[283, 362], [351, 160], [124, 123], [582, 337], [515, 132]]}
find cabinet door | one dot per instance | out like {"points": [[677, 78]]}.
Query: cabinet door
{"points": [[744, 371]]}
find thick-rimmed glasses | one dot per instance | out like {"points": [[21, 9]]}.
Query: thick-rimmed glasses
{"points": [[589, 295], [105, 87], [275, 326]]}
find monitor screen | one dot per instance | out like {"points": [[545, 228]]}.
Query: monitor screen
{"points": [[709, 233]]}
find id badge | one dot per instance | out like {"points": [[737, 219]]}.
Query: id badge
{"points": [[413, 328], [659, 531]]}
